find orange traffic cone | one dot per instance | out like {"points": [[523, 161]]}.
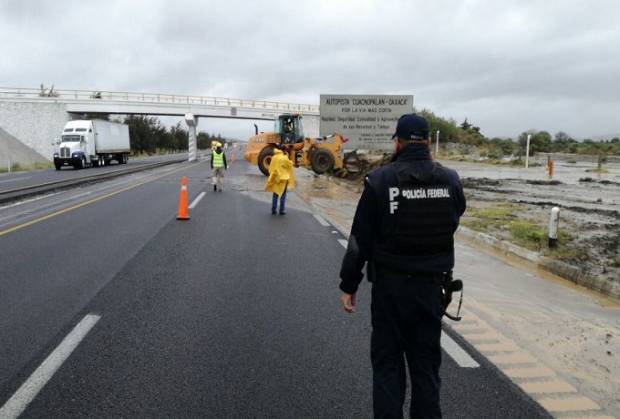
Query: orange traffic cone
{"points": [[183, 211]]}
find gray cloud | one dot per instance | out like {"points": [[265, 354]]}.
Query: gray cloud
{"points": [[507, 66]]}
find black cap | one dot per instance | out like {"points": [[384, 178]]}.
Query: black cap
{"points": [[412, 127]]}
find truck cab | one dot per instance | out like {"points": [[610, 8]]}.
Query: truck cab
{"points": [[290, 128], [92, 143], [76, 145]]}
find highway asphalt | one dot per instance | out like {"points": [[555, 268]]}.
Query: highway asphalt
{"points": [[15, 180], [233, 313]]}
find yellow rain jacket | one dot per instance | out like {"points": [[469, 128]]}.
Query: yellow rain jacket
{"points": [[280, 173]]}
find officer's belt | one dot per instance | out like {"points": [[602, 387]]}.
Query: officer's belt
{"points": [[383, 273]]}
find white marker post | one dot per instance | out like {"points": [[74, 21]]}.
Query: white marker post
{"points": [[527, 151], [437, 144], [554, 223]]}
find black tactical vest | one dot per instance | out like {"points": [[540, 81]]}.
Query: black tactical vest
{"points": [[422, 225]]}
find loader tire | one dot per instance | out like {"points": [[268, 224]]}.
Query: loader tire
{"points": [[322, 161], [264, 159]]}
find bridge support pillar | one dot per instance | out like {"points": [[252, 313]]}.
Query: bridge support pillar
{"points": [[192, 122]]}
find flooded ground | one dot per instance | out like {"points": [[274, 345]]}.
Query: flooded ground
{"points": [[517, 203], [589, 207]]}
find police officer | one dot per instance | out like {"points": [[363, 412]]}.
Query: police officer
{"points": [[403, 230]]}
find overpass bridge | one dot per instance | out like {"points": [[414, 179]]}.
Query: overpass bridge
{"points": [[36, 116]]}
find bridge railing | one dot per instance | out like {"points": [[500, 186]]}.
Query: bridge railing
{"points": [[63, 94]]}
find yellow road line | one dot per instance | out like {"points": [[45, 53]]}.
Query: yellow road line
{"points": [[99, 198]]}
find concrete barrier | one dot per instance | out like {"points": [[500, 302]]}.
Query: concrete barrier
{"points": [[35, 125]]}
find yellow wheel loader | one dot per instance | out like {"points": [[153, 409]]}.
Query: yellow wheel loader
{"points": [[321, 154]]}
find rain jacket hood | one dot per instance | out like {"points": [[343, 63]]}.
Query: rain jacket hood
{"points": [[280, 174]]}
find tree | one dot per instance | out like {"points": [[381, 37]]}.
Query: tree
{"points": [[203, 140], [448, 131], [561, 142], [562, 138], [540, 141], [180, 137], [465, 125], [504, 147], [148, 135]]}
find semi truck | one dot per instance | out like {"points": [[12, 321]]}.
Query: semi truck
{"points": [[92, 143]]}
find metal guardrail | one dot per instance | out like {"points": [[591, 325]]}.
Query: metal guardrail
{"points": [[25, 191], [155, 98]]}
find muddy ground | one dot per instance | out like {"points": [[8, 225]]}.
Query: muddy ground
{"points": [[589, 209], [517, 203]]}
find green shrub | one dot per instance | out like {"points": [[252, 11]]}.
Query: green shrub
{"points": [[528, 234], [495, 154]]}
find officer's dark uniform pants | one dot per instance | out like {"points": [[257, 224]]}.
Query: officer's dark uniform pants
{"points": [[406, 320]]}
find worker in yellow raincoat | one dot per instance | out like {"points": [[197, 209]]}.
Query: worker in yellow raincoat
{"points": [[281, 178]]}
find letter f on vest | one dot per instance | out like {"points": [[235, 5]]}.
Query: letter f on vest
{"points": [[393, 206], [393, 193]]}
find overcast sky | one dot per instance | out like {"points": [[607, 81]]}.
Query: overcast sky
{"points": [[508, 66]]}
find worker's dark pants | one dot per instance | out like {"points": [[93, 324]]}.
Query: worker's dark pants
{"points": [[274, 202], [406, 320]]}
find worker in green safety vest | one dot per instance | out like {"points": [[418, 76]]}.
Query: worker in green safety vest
{"points": [[219, 165]]}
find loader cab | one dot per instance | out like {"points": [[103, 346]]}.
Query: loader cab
{"points": [[290, 128]]}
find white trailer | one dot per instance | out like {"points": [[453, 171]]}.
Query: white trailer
{"points": [[92, 143]]}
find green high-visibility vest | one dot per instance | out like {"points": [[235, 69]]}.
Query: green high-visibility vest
{"points": [[218, 159]]}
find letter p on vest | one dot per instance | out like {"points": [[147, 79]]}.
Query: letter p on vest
{"points": [[393, 193]]}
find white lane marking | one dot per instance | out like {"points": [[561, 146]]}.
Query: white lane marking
{"points": [[15, 180], [132, 177], [81, 195], [343, 242], [26, 201], [197, 200], [29, 390], [51, 206], [457, 353], [321, 220]]}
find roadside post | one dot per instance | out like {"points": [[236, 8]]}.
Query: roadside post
{"points": [[550, 167], [600, 162], [527, 151], [437, 145], [554, 221]]}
